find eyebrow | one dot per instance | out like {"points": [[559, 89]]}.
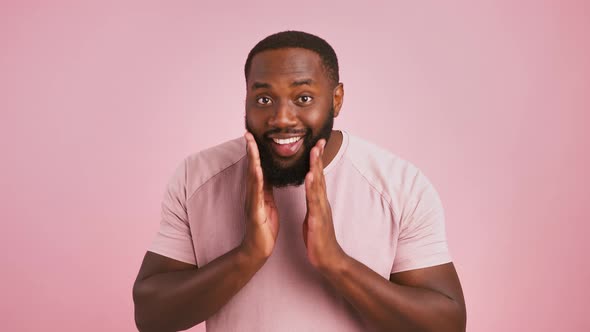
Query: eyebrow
{"points": [[307, 81], [259, 85], [262, 85]]}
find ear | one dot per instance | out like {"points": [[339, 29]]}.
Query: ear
{"points": [[338, 98]]}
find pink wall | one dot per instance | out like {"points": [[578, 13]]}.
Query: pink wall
{"points": [[100, 102]]}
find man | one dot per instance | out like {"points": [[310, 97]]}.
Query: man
{"points": [[361, 245]]}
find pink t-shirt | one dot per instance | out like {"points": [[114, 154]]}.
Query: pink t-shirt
{"points": [[386, 215]]}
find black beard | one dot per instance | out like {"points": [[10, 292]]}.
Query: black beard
{"points": [[294, 175]]}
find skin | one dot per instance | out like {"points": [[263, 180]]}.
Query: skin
{"points": [[168, 293]]}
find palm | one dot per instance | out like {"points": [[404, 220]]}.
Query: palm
{"points": [[271, 214], [262, 218], [273, 217], [318, 226], [311, 243]]}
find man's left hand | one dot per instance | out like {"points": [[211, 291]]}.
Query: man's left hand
{"points": [[323, 251]]}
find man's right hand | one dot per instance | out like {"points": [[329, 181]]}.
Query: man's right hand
{"points": [[262, 219]]}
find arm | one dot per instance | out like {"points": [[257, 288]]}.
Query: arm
{"points": [[428, 299], [170, 295]]}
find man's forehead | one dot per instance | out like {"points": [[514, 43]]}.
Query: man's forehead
{"points": [[288, 63], [255, 85]]}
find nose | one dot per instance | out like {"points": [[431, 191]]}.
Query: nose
{"points": [[283, 117]]}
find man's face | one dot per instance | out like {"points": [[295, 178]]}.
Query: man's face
{"points": [[289, 107]]}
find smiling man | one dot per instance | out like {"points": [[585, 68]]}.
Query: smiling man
{"points": [[295, 83], [296, 226]]}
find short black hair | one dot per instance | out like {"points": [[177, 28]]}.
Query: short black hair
{"points": [[298, 39]]}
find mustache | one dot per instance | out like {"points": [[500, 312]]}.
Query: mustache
{"points": [[286, 131]]}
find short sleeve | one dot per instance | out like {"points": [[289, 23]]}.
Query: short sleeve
{"points": [[174, 238], [422, 238]]}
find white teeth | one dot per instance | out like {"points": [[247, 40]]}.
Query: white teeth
{"points": [[286, 140]]}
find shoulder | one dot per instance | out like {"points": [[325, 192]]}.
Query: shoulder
{"points": [[399, 182], [384, 169], [199, 167]]}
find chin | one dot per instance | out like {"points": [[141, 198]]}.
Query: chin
{"points": [[288, 162], [282, 173]]}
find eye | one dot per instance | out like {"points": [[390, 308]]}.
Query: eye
{"points": [[263, 100], [305, 99]]}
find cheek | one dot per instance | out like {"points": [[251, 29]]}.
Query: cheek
{"points": [[315, 119], [254, 118]]}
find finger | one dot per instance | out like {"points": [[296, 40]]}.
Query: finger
{"points": [[268, 194], [250, 183], [252, 149], [305, 230], [249, 172], [255, 157], [321, 166], [316, 174], [255, 178], [320, 161], [318, 168], [310, 196], [319, 185], [313, 158]]}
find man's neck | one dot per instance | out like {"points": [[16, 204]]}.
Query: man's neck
{"points": [[332, 147]]}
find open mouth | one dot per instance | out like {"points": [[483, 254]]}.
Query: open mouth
{"points": [[287, 147]]}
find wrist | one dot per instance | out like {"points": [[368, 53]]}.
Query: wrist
{"points": [[248, 257], [335, 264]]}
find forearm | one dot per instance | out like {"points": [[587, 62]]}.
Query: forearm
{"points": [[179, 300], [389, 306]]}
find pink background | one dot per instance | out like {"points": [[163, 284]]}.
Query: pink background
{"points": [[101, 100]]}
